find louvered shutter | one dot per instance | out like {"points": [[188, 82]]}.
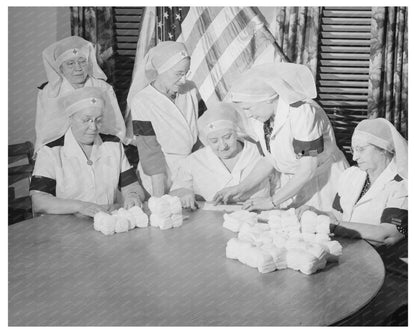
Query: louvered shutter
{"points": [[127, 27], [343, 68]]}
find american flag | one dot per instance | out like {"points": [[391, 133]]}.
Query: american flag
{"points": [[222, 42]]}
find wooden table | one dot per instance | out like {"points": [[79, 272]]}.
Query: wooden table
{"points": [[62, 272]]}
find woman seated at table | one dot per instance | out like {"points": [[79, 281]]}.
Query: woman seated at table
{"points": [[226, 159], [371, 201], [70, 64], [81, 171]]}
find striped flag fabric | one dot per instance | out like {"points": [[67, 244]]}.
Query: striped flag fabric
{"points": [[222, 41]]}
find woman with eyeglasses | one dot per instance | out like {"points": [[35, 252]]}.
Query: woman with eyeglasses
{"points": [[70, 64], [295, 135], [82, 171], [164, 107], [372, 197]]}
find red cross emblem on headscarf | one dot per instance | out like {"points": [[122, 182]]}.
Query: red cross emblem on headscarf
{"points": [[93, 100], [75, 51], [211, 126]]}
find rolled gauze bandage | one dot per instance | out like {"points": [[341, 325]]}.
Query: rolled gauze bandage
{"points": [[322, 238], [295, 244], [174, 203], [98, 220], [265, 262], [231, 223], [298, 259], [278, 255], [279, 240], [104, 223], [275, 222], [109, 225], [250, 256], [235, 247], [308, 237], [177, 220], [128, 216], [159, 206], [290, 222], [308, 221], [141, 220], [162, 222], [322, 224], [121, 225], [334, 249], [317, 250]]}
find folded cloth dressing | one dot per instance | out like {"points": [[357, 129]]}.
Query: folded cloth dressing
{"points": [[166, 212]]}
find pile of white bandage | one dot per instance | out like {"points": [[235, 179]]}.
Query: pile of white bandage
{"points": [[283, 242], [121, 220], [166, 212]]}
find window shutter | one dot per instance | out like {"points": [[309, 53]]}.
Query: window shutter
{"points": [[127, 27], [343, 68]]}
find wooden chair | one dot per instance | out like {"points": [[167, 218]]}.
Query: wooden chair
{"points": [[20, 208]]}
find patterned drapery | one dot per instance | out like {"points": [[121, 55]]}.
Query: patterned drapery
{"points": [[297, 33], [388, 85], [96, 24]]}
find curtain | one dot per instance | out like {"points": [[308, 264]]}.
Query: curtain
{"points": [[388, 85], [297, 33], [96, 24]]}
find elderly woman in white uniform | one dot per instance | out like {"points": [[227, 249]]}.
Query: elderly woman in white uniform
{"points": [[81, 171], [164, 108], [295, 134], [225, 160], [372, 197], [70, 64]]}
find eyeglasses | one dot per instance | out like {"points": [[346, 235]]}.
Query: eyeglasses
{"points": [[71, 63], [358, 149], [89, 121]]}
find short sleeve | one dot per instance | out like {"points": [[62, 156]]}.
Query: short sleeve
{"points": [[307, 130], [184, 178], [44, 174]]}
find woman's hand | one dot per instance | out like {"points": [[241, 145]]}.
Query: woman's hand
{"points": [[258, 204], [90, 209], [132, 201], [227, 194], [188, 201]]}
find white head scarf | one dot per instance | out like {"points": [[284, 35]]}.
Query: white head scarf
{"points": [[219, 116], [57, 53], [291, 82], [159, 59], [89, 97], [381, 133]]}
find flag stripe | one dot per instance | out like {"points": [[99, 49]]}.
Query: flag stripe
{"points": [[237, 39], [211, 52]]}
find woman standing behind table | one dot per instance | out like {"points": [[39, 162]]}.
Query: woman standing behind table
{"points": [[81, 171], [371, 198], [295, 134], [226, 159], [164, 108], [70, 64]]}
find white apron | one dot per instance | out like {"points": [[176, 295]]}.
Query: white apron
{"points": [[173, 123], [75, 179], [205, 174]]}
